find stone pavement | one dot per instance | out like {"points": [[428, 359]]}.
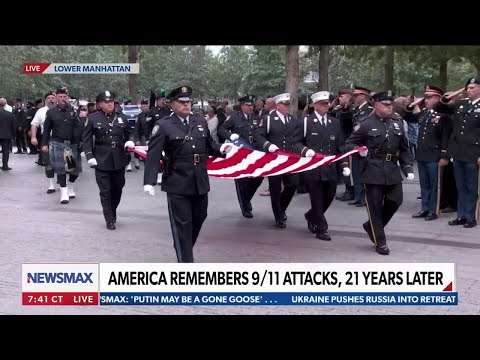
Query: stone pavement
{"points": [[35, 227]]}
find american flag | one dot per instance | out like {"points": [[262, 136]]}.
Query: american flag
{"points": [[242, 162]]}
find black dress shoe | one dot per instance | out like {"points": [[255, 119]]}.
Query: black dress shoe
{"points": [[6, 168], [420, 214], [361, 203], [431, 217], [247, 214], [281, 224], [50, 191], [353, 202], [323, 235], [110, 225], [457, 222], [383, 249], [368, 229], [470, 224]]}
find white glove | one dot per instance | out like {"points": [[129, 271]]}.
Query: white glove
{"points": [[310, 153], [149, 189], [234, 137], [225, 148], [129, 144], [363, 153], [346, 171], [92, 162], [272, 148], [159, 179], [410, 176]]}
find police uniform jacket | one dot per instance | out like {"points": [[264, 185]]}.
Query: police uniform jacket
{"points": [[239, 124], [360, 112], [61, 124], [104, 139], [8, 128], [189, 155], [464, 142], [141, 128], [324, 140], [274, 131], [30, 115], [387, 144], [433, 134], [21, 117], [156, 113]]}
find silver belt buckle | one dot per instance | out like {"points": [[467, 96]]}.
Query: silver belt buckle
{"points": [[114, 144]]}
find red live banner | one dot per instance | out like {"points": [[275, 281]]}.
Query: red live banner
{"points": [[60, 298], [35, 68]]}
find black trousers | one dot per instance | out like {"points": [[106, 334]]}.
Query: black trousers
{"points": [[20, 141], [187, 215], [281, 198], [322, 194], [449, 194], [246, 189], [6, 145], [383, 202], [111, 184]]}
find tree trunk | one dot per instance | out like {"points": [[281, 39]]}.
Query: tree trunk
{"points": [[442, 72], [389, 61], [323, 63], [292, 70], [133, 52]]}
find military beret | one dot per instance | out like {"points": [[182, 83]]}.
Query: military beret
{"points": [[181, 93], [385, 97], [62, 90], [473, 80], [345, 91], [433, 90], [357, 90], [48, 94], [160, 95], [247, 99], [144, 102], [106, 96]]}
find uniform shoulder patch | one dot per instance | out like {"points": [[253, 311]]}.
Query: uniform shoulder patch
{"points": [[155, 129]]}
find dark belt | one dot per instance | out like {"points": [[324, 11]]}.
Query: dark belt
{"points": [[193, 158], [67, 142], [112, 144], [386, 157]]}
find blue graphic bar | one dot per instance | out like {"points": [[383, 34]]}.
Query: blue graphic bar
{"points": [[279, 299]]}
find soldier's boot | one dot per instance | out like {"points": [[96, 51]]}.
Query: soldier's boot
{"points": [[382, 249], [129, 167], [64, 199], [51, 187], [71, 191], [136, 163]]}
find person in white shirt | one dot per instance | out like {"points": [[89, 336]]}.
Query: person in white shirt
{"points": [[37, 122]]}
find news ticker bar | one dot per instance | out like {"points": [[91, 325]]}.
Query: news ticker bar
{"points": [[53, 68], [249, 299]]}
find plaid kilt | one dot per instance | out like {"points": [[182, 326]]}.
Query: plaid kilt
{"points": [[57, 157]]}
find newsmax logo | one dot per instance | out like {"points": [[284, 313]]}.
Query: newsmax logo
{"points": [[59, 278]]}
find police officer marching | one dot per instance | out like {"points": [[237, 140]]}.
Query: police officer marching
{"points": [[107, 133], [186, 142], [431, 150], [386, 144], [242, 125], [320, 133]]}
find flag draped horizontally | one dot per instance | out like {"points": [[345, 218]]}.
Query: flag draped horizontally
{"points": [[242, 162]]}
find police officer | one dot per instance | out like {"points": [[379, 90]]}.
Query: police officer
{"points": [[61, 137], [21, 117], [242, 125], [158, 112], [323, 134], [386, 144], [362, 108], [186, 142], [431, 149], [464, 149], [277, 132], [112, 134]]}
